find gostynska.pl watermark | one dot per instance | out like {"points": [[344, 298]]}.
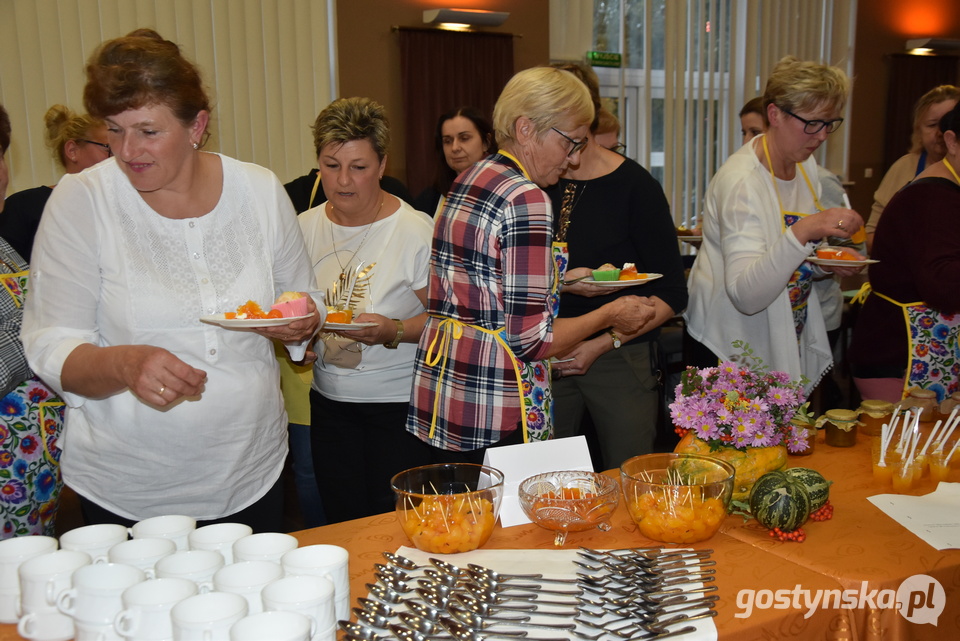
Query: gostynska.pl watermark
{"points": [[919, 599]]}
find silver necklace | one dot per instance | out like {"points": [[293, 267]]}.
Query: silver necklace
{"points": [[333, 238]]}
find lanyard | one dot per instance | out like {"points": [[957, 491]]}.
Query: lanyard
{"points": [[523, 169], [776, 189], [951, 169]]}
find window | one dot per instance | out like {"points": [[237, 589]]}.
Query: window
{"points": [[706, 58]]}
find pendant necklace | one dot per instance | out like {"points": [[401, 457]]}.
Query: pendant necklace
{"points": [[336, 252]]}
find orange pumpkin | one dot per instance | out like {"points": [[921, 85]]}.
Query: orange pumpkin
{"points": [[750, 464]]}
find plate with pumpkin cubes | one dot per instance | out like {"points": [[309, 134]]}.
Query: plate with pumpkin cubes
{"points": [[838, 257], [609, 276]]}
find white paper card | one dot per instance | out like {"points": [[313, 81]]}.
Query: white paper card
{"points": [[518, 462], [934, 517]]}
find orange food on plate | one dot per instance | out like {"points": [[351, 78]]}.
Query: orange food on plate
{"points": [[274, 313], [230, 315], [835, 253], [339, 316], [251, 309]]}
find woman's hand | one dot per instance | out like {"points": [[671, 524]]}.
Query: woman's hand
{"points": [[157, 376], [836, 221], [297, 330], [583, 356], [384, 331], [630, 313], [582, 288]]}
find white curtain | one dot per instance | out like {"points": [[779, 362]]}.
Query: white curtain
{"points": [[268, 65], [692, 66]]}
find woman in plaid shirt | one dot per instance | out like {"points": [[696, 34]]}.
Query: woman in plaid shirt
{"points": [[482, 372]]}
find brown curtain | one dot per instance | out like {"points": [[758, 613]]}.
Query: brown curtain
{"points": [[442, 70], [910, 77]]}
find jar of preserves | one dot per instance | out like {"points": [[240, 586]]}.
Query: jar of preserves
{"points": [[873, 414], [948, 404], [840, 427], [924, 400]]}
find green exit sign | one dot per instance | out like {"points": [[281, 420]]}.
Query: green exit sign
{"points": [[603, 58]]}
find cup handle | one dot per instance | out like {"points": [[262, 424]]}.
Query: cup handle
{"points": [[126, 622], [65, 601], [25, 626], [204, 586]]}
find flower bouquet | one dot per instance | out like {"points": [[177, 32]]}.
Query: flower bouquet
{"points": [[740, 412]]}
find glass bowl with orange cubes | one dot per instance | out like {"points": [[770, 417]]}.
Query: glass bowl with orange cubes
{"points": [[569, 501], [448, 508]]}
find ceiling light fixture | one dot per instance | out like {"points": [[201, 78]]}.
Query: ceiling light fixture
{"points": [[927, 46], [470, 17]]}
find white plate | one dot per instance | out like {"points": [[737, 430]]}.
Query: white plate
{"points": [[691, 239], [624, 283], [339, 327], [236, 323], [833, 262]]}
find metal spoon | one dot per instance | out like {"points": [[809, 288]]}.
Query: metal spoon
{"points": [[401, 561], [474, 604], [376, 607], [478, 570], [447, 567], [406, 634], [357, 631], [489, 596], [503, 586], [384, 593], [371, 619], [463, 633], [422, 625], [478, 623]]}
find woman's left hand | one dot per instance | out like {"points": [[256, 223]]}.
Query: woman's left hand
{"points": [[582, 288], [384, 331], [296, 331], [583, 355]]}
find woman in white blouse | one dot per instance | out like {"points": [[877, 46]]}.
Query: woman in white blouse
{"points": [[165, 414]]}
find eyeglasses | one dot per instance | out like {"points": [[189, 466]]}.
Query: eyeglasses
{"points": [[620, 148], [815, 126], [576, 145], [98, 144]]}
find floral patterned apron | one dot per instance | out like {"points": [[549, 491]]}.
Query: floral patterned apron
{"points": [[31, 417], [933, 346], [801, 282]]}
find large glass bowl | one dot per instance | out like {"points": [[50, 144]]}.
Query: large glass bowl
{"points": [[569, 501], [448, 508], [675, 497]]}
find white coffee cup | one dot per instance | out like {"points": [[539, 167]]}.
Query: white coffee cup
{"points": [[207, 617], [198, 566], [328, 561], [14, 552], [275, 626], [95, 595], [142, 553], [95, 540], [95, 632], [312, 596], [146, 608], [45, 626], [175, 527], [44, 577], [247, 578], [219, 537], [265, 546]]}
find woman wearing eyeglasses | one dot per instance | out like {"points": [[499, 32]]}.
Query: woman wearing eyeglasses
{"points": [[762, 219], [78, 141], [482, 375]]}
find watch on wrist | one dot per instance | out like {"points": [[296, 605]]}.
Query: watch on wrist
{"points": [[396, 339], [616, 340]]}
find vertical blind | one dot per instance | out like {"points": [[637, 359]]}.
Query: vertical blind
{"points": [[268, 66], [697, 62]]}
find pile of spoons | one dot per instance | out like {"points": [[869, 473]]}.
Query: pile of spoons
{"points": [[638, 594]]}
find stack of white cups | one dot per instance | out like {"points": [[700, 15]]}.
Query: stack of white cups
{"points": [[172, 582]]}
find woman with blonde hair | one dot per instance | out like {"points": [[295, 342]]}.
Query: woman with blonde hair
{"points": [[77, 141], [762, 219], [482, 375], [926, 149]]}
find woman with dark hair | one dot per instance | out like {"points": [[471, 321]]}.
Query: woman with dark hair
{"points": [[464, 136], [30, 414], [907, 331], [166, 414]]}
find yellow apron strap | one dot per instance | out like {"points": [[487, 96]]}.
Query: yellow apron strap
{"points": [[862, 295], [313, 193], [4, 278], [449, 330]]}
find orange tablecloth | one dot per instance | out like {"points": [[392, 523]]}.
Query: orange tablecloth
{"points": [[859, 544]]}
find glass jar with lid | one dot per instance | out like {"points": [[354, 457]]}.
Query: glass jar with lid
{"points": [[924, 400], [873, 414], [948, 404], [840, 427]]}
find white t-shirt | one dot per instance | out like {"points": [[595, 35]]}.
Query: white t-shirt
{"points": [[109, 270], [400, 246]]}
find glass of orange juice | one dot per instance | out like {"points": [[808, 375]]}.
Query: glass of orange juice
{"points": [[939, 466], [905, 475], [891, 460]]}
